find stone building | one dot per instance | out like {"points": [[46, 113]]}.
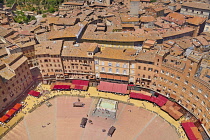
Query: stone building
{"points": [[113, 64], [178, 79], [147, 69], [48, 55], [15, 78], [196, 9], [134, 7], [207, 26], [78, 61]]}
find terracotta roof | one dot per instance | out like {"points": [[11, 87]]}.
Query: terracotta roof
{"points": [[202, 40], [64, 21], [195, 56], [6, 73], [177, 32], [147, 56], [166, 11], [175, 17], [66, 33], [158, 9], [40, 31], [117, 36], [49, 47], [12, 58], [129, 19], [27, 44], [72, 3], [197, 5], [116, 53], [18, 63], [5, 31], [147, 19], [184, 43], [91, 46], [77, 50], [3, 51], [13, 61], [127, 25], [196, 20]]}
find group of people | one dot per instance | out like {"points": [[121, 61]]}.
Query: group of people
{"points": [[43, 126]]}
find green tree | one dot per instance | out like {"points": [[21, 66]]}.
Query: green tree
{"points": [[22, 18], [44, 15], [51, 9]]}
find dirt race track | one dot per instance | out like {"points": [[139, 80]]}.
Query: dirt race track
{"points": [[62, 122]]}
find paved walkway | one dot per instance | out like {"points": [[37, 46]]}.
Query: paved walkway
{"points": [[33, 103]]}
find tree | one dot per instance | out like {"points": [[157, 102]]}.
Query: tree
{"points": [[44, 15], [22, 18], [51, 9]]}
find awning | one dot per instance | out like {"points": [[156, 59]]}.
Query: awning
{"points": [[187, 128], [117, 88], [103, 75], [172, 109], [160, 100], [124, 78], [80, 82], [196, 133], [61, 87], [17, 106], [78, 87], [11, 112], [120, 88], [169, 103], [85, 88], [34, 93], [51, 73], [4, 118], [152, 99], [84, 83], [131, 85], [139, 96], [72, 86], [113, 87], [105, 86], [116, 77], [109, 76]]}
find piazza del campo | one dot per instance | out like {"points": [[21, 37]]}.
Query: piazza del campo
{"points": [[105, 69]]}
